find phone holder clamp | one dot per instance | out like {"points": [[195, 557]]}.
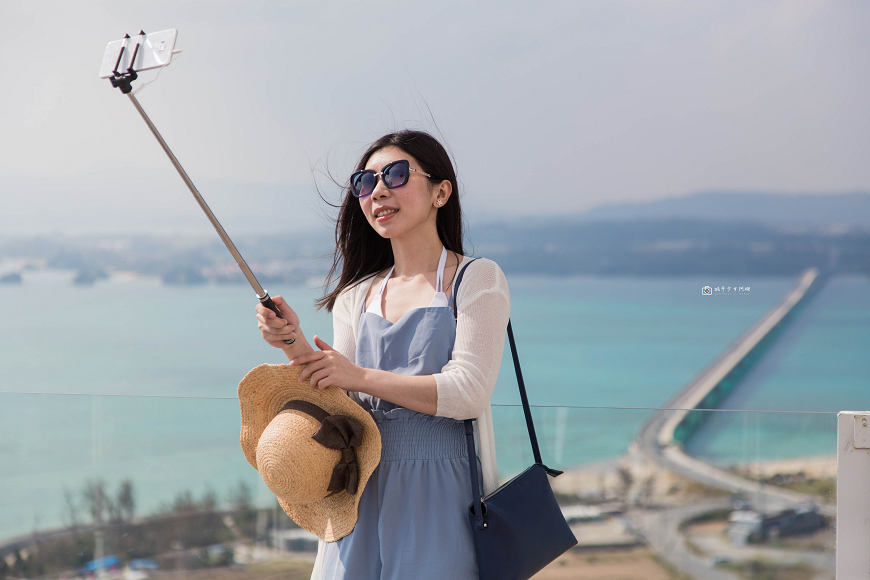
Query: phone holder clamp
{"points": [[122, 80]]}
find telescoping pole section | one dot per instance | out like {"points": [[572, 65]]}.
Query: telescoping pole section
{"points": [[217, 226], [262, 295]]}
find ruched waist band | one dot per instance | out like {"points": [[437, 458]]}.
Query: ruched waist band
{"points": [[421, 437]]}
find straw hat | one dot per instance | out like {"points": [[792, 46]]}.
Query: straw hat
{"points": [[314, 449]]}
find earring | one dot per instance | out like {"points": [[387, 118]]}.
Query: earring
{"points": [[438, 202]]}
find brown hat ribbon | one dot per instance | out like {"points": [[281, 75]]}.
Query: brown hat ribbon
{"points": [[335, 432]]}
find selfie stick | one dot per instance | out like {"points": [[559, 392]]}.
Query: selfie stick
{"points": [[121, 80]]}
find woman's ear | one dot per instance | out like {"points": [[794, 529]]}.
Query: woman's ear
{"points": [[445, 188]]}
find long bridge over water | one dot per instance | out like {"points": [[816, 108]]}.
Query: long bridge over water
{"points": [[662, 438]]}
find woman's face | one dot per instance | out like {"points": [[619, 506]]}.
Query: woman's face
{"points": [[395, 212]]}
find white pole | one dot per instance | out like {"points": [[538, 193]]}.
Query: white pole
{"points": [[853, 495]]}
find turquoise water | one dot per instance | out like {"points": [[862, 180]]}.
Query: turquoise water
{"points": [[609, 342], [821, 362]]}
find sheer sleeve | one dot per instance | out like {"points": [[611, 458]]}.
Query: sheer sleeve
{"points": [[343, 339], [466, 383]]}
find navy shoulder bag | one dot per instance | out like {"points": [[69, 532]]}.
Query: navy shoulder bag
{"points": [[518, 528]]}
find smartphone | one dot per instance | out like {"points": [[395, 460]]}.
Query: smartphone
{"points": [[155, 51]]}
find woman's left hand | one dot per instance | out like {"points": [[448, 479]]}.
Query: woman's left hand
{"points": [[328, 368]]}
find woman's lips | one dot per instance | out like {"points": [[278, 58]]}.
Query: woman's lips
{"points": [[384, 218]]}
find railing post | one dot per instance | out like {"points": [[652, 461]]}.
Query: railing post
{"points": [[853, 495]]}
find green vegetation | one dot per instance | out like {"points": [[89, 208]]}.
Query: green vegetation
{"points": [[767, 570], [186, 534], [717, 515], [698, 489], [826, 489]]}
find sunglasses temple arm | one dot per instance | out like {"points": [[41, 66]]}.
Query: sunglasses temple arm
{"points": [[420, 172], [262, 295]]}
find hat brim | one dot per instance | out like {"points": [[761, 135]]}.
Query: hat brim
{"points": [[263, 392]]}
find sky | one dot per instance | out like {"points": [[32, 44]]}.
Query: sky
{"points": [[547, 107]]}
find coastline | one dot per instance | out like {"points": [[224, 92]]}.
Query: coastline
{"points": [[818, 467], [601, 481]]}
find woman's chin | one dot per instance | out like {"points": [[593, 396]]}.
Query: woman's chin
{"points": [[389, 230], [387, 233]]}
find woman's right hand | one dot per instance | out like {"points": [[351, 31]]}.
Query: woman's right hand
{"points": [[276, 330]]}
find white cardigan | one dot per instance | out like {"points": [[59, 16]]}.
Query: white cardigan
{"points": [[467, 381]]}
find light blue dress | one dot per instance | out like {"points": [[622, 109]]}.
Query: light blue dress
{"points": [[413, 513]]}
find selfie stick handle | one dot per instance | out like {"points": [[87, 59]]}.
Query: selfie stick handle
{"points": [[262, 295]]}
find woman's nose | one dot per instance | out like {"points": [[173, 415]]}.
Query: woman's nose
{"points": [[380, 189]]}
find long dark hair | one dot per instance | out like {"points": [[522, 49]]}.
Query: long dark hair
{"points": [[359, 250]]}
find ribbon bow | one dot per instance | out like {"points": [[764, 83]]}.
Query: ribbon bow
{"points": [[342, 433], [336, 432]]}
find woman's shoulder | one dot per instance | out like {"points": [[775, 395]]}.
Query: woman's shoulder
{"points": [[479, 267], [479, 274]]}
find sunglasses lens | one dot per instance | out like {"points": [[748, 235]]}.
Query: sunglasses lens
{"points": [[396, 174], [362, 183]]}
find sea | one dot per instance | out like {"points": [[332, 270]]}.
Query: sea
{"points": [[130, 379]]}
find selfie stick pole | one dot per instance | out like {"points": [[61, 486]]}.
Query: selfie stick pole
{"points": [[262, 295]]}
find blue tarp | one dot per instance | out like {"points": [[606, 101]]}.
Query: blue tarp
{"points": [[100, 563]]}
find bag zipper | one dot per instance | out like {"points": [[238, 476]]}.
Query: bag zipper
{"points": [[505, 486]]}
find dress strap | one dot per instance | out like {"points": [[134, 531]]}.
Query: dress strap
{"points": [[384, 283], [376, 305], [439, 282], [439, 300]]}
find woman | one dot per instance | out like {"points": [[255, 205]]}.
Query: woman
{"points": [[401, 354]]}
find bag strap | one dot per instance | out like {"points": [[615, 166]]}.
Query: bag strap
{"points": [[523, 397], [456, 286], [469, 426]]}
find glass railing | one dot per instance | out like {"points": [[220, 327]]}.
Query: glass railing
{"points": [[746, 492], [138, 487]]}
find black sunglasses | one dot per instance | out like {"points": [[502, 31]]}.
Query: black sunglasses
{"points": [[395, 174]]}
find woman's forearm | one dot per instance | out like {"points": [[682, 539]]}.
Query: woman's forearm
{"points": [[418, 393]]}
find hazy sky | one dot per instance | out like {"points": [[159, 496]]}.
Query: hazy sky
{"points": [[548, 107]]}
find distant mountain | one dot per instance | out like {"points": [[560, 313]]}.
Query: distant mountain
{"points": [[705, 233], [775, 209], [559, 246], [670, 246]]}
